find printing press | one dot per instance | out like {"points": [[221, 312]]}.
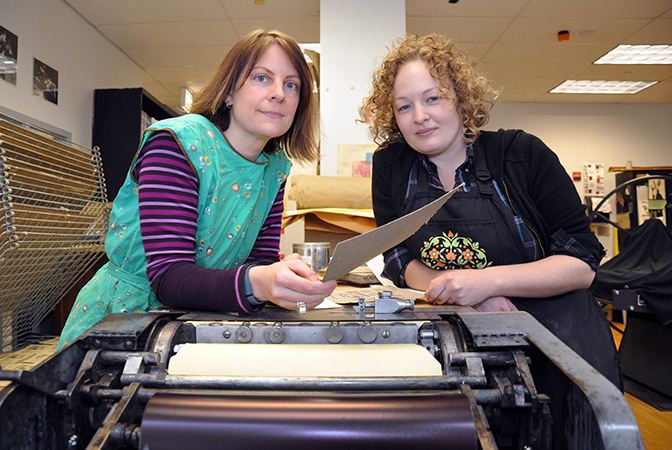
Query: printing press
{"points": [[382, 374]]}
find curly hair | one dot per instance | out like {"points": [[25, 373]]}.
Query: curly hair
{"points": [[448, 65]]}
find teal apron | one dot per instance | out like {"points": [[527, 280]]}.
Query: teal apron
{"points": [[234, 198]]}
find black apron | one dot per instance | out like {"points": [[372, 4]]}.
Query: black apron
{"points": [[476, 229]]}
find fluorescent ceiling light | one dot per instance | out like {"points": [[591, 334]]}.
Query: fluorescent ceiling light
{"points": [[638, 54], [601, 87]]}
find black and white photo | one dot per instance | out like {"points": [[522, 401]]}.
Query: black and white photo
{"points": [[9, 48], [45, 81]]}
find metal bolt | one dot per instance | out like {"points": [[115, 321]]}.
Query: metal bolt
{"points": [[334, 334], [244, 334], [276, 335], [367, 333]]}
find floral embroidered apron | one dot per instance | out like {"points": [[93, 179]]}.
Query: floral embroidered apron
{"points": [[475, 230]]}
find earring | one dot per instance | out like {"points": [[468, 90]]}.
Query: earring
{"points": [[229, 105]]}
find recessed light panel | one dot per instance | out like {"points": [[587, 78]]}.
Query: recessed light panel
{"points": [[638, 54], [601, 87]]}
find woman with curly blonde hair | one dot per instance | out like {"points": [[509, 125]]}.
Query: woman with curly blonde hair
{"points": [[450, 66], [518, 219]]}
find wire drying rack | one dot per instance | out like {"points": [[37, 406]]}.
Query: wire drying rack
{"points": [[53, 223]]}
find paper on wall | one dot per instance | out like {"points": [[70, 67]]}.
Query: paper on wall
{"points": [[593, 180], [657, 199], [643, 213]]}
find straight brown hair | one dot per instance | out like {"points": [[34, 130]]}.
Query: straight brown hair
{"points": [[300, 142]]}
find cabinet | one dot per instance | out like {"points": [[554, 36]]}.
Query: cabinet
{"points": [[628, 199], [120, 117]]}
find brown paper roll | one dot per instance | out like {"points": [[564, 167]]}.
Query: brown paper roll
{"points": [[315, 191]]}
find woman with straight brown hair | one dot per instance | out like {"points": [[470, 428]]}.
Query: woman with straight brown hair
{"points": [[197, 223]]}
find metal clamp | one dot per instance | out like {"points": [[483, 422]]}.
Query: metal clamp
{"points": [[385, 304]]}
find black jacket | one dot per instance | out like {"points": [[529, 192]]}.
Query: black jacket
{"points": [[537, 185], [541, 192]]}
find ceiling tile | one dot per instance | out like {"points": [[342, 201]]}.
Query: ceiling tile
{"points": [[527, 71], [545, 30], [107, 12], [460, 29], [648, 98], [519, 86], [181, 74], [561, 57], [475, 50], [179, 56], [303, 29], [434, 8], [657, 32], [517, 97], [581, 98], [271, 9], [180, 43], [615, 9], [176, 34]]}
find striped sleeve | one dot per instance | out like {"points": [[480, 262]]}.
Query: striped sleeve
{"points": [[168, 199], [396, 260], [168, 206], [267, 246]]}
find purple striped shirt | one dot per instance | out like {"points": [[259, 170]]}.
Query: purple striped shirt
{"points": [[168, 203]]}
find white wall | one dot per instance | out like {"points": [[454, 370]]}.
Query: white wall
{"points": [[354, 37], [595, 133], [590, 133], [52, 32]]}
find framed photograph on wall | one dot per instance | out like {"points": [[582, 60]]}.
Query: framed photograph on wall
{"points": [[9, 53], [45, 81]]}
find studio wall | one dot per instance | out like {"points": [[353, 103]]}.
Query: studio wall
{"points": [[52, 32], [610, 134]]}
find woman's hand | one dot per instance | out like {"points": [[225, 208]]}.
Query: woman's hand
{"points": [[289, 282], [465, 288], [459, 287], [495, 304], [553, 275]]}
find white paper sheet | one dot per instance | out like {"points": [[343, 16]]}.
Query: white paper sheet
{"points": [[314, 360]]}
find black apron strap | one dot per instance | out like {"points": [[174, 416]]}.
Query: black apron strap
{"points": [[483, 178]]}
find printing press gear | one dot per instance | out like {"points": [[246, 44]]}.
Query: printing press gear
{"points": [[117, 387]]}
